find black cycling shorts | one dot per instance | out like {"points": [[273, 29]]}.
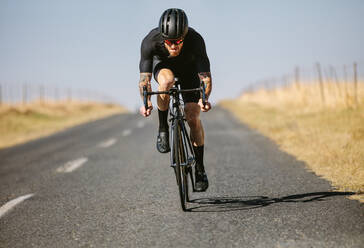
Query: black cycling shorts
{"points": [[187, 77]]}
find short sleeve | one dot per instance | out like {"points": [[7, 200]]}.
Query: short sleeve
{"points": [[146, 57], [202, 60]]}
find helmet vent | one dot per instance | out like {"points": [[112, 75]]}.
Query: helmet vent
{"points": [[167, 24]]}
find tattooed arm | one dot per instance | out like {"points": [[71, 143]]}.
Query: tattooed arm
{"points": [[206, 78], [145, 78]]}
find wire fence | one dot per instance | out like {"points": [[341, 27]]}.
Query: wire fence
{"points": [[24, 93], [344, 82]]}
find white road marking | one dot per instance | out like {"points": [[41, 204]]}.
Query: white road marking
{"points": [[140, 124], [108, 143], [11, 204], [72, 165], [126, 132]]}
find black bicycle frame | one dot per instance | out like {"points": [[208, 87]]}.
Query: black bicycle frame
{"points": [[177, 118]]}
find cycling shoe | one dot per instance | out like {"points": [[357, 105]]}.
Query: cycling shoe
{"points": [[163, 142], [202, 183]]}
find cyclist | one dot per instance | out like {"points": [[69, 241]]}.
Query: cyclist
{"points": [[176, 50]]}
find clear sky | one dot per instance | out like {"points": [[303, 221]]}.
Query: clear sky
{"points": [[96, 44]]}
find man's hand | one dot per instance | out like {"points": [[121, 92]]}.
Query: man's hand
{"points": [[144, 82], [205, 108], [146, 112], [206, 78]]}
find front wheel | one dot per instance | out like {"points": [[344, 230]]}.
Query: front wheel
{"points": [[180, 174]]}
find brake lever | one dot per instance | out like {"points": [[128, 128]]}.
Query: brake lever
{"points": [[203, 93], [145, 97]]}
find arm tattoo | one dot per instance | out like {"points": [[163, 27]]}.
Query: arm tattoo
{"points": [[204, 75], [206, 78], [145, 78]]}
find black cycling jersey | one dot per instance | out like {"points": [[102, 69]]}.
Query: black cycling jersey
{"points": [[186, 66], [192, 52]]}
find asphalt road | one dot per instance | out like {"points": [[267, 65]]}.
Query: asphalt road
{"points": [[103, 184]]}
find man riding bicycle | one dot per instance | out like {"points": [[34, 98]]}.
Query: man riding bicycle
{"points": [[176, 50]]}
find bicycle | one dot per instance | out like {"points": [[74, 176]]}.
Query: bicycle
{"points": [[182, 156]]}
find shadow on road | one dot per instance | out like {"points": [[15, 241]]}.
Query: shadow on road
{"points": [[226, 203]]}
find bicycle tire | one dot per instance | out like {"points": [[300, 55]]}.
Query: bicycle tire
{"points": [[180, 175], [185, 179], [187, 175], [187, 168]]}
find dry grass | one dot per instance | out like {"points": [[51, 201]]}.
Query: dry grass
{"points": [[328, 136], [308, 96], [22, 123]]}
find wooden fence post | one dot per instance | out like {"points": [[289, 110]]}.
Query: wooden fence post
{"points": [[321, 83], [346, 85], [356, 84]]}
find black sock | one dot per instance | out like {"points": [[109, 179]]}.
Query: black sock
{"points": [[163, 120], [199, 156]]}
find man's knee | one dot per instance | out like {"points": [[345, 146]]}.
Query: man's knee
{"points": [[165, 79]]}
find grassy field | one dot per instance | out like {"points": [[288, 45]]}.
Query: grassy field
{"points": [[326, 133], [22, 123]]}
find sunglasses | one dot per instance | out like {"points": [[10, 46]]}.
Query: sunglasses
{"points": [[171, 42]]}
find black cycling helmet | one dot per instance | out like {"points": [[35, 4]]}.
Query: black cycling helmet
{"points": [[173, 24]]}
